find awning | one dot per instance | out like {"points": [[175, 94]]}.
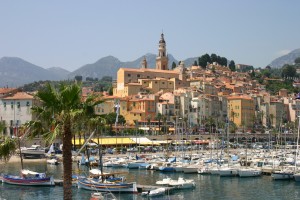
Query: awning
{"points": [[114, 141], [106, 141], [201, 141], [144, 141]]}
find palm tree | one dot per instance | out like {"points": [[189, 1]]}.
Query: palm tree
{"points": [[7, 148], [164, 119], [149, 121], [159, 118], [111, 120], [56, 116]]}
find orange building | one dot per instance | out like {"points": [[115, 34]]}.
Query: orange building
{"points": [[241, 110]]}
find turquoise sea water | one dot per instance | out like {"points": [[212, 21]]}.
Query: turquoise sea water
{"points": [[207, 187]]}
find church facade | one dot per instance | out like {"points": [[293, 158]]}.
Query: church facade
{"points": [[132, 81]]}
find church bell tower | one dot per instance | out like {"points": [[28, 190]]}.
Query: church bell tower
{"points": [[162, 58]]}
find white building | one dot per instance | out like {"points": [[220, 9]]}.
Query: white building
{"points": [[15, 110]]}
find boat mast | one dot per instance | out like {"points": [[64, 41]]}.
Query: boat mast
{"points": [[19, 143], [296, 156]]}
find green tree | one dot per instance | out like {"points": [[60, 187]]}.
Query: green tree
{"points": [[159, 118], [64, 106], [110, 91], [223, 61], [213, 58], [288, 71], [110, 119], [232, 65], [148, 118], [297, 60], [195, 63], [203, 60], [173, 65], [8, 147]]}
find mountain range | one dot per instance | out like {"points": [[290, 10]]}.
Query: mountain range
{"points": [[285, 59], [15, 72]]}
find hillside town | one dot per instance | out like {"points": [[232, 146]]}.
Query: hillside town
{"points": [[199, 100]]}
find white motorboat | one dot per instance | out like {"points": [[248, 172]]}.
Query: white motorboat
{"points": [[249, 172], [191, 169], [297, 177], [35, 151], [182, 183], [204, 170], [165, 181], [214, 170], [52, 161], [228, 171], [282, 175], [155, 192]]}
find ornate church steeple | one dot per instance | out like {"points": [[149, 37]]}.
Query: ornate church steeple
{"points": [[144, 63], [162, 58]]}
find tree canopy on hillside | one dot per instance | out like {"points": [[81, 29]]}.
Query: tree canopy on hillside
{"points": [[205, 59]]}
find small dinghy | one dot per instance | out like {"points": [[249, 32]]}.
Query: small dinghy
{"points": [[155, 192]]}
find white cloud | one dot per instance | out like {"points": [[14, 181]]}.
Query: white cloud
{"points": [[283, 52]]}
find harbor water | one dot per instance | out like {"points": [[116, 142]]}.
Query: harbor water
{"points": [[207, 186]]}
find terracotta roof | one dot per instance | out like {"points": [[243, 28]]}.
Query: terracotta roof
{"points": [[149, 70], [6, 90], [20, 95], [239, 97]]}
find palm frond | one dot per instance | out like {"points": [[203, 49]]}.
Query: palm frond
{"points": [[7, 148]]}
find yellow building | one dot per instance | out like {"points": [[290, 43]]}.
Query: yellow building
{"points": [[241, 111], [138, 108], [133, 81]]}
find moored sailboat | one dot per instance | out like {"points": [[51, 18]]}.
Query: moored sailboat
{"points": [[29, 178]]}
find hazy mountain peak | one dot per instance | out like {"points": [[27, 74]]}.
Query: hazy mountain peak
{"points": [[15, 72], [285, 59]]}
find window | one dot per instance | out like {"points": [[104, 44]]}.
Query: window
{"points": [[12, 104], [18, 104], [138, 75], [27, 103], [129, 75], [4, 104], [148, 76]]}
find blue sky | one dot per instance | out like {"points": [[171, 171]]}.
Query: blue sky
{"points": [[69, 34]]}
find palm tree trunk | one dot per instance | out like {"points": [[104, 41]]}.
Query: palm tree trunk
{"points": [[158, 126], [67, 160]]}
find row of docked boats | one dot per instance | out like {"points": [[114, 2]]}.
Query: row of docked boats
{"points": [[281, 164]]}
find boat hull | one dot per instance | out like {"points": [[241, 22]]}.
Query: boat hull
{"points": [[228, 172], [16, 180], [249, 173], [282, 176], [297, 177], [104, 187]]}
